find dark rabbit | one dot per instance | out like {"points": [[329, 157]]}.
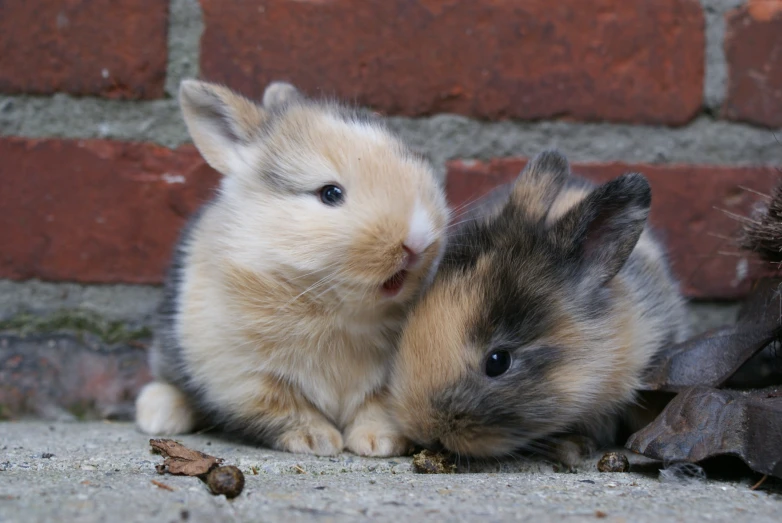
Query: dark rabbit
{"points": [[551, 300]]}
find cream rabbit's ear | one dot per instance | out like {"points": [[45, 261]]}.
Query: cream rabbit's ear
{"points": [[280, 93], [221, 123]]}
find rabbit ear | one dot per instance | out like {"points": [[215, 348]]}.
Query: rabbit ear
{"points": [[537, 186], [602, 230], [221, 123], [278, 94]]}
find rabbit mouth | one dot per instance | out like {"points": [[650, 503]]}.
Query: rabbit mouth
{"points": [[394, 284]]}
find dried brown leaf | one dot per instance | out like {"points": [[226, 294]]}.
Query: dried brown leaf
{"points": [[703, 422], [709, 359], [181, 460], [713, 358]]}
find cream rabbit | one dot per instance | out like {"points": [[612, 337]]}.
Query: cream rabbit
{"points": [[288, 290]]}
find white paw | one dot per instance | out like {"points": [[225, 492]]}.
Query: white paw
{"points": [[319, 438], [376, 441], [162, 409]]}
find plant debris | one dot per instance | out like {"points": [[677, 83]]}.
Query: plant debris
{"points": [[709, 359], [713, 358], [703, 422], [613, 462], [181, 460], [760, 482], [682, 472], [729, 400], [428, 462], [227, 480], [162, 485], [762, 234]]}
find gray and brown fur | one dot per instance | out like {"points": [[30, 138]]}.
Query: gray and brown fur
{"points": [[275, 323], [565, 276]]}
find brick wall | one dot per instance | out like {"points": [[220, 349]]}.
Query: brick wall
{"points": [[97, 173], [97, 176]]}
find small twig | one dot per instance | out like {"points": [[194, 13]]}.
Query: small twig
{"points": [[737, 217], [298, 469], [721, 236], [762, 194], [163, 486], [759, 483]]}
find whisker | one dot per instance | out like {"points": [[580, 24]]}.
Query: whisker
{"points": [[465, 204], [323, 281], [466, 220], [304, 275]]}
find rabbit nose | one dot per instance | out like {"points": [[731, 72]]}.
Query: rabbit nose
{"points": [[410, 257]]}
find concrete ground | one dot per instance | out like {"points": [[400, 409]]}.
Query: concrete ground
{"points": [[104, 472]]}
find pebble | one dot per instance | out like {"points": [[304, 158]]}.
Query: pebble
{"points": [[613, 462]]}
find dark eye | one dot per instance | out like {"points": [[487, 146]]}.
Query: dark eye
{"points": [[498, 363], [331, 195]]}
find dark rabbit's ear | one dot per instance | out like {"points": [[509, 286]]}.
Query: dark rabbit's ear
{"points": [[539, 183], [604, 228]]}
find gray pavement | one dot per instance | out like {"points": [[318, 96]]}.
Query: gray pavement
{"points": [[104, 472]]}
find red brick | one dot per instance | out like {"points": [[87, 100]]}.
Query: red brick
{"points": [[95, 211], [111, 48], [687, 208], [753, 48], [620, 60]]}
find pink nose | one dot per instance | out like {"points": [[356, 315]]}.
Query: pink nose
{"points": [[410, 257]]}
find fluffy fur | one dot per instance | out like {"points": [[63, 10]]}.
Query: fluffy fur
{"points": [[568, 281], [278, 321]]}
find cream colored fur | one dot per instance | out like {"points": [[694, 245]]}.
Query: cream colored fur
{"points": [[282, 322], [163, 409]]}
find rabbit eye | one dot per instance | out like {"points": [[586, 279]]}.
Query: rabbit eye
{"points": [[332, 195], [498, 363]]}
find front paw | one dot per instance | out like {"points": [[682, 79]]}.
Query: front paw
{"points": [[376, 441], [571, 450], [317, 438]]}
